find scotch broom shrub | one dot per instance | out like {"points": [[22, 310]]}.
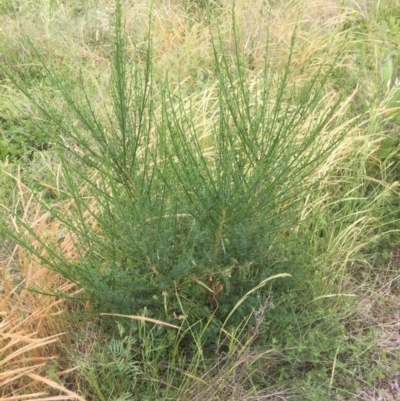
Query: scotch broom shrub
{"points": [[180, 205]]}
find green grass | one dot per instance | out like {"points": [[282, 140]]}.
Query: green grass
{"points": [[231, 174]]}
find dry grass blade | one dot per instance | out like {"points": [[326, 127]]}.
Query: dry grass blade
{"points": [[142, 318], [56, 386]]}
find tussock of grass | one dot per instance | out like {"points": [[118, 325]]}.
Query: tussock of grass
{"points": [[33, 326], [377, 314]]}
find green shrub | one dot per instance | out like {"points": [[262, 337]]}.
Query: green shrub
{"points": [[172, 216]]}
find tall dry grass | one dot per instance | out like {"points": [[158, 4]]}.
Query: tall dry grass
{"points": [[34, 327]]}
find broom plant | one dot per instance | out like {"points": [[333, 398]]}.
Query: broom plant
{"points": [[159, 203]]}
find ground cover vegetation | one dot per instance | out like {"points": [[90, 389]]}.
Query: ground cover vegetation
{"points": [[200, 200]]}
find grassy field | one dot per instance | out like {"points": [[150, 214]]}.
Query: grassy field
{"points": [[200, 200]]}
